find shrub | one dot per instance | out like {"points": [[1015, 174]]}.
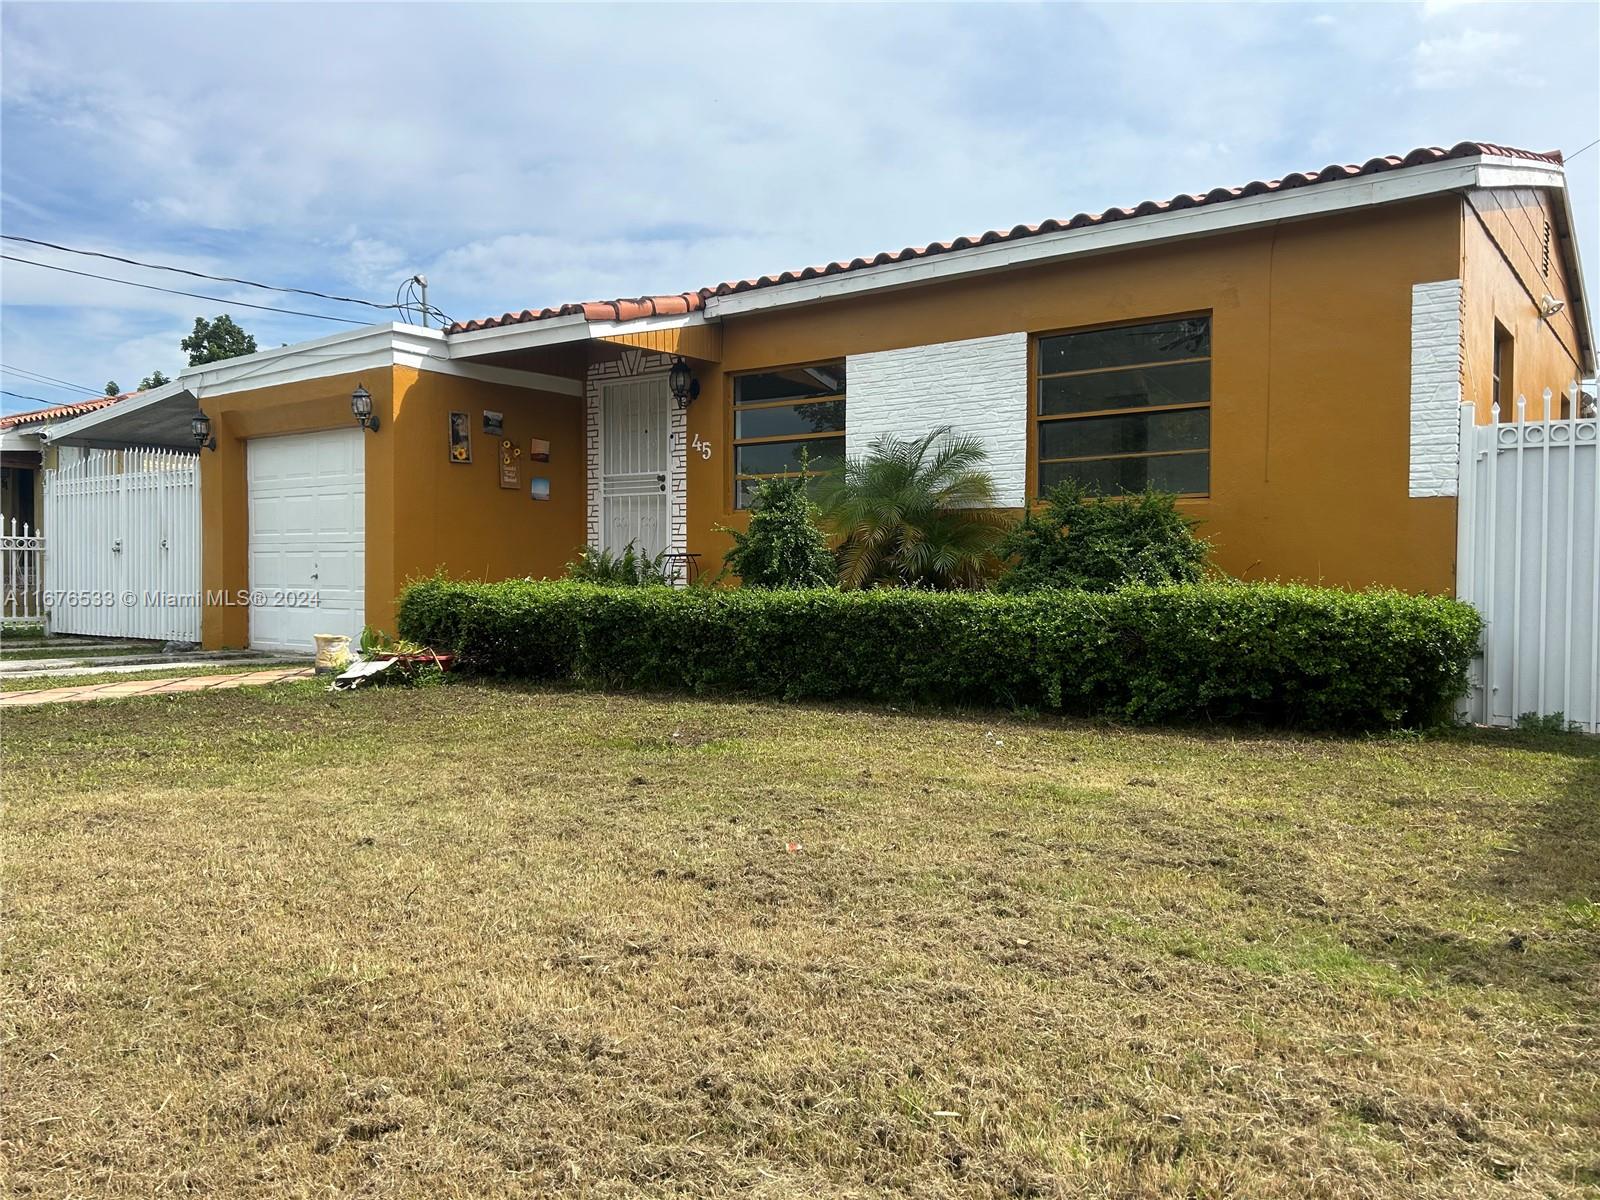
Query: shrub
{"points": [[628, 569], [914, 513], [1267, 653], [1080, 540], [783, 548]]}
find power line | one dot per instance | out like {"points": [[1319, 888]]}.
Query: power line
{"points": [[150, 287], [1575, 153], [38, 377], [20, 396], [134, 262]]}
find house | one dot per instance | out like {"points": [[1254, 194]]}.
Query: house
{"points": [[1288, 355], [22, 456]]}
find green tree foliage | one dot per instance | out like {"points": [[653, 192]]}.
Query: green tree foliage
{"points": [[1097, 543], [213, 341], [631, 568], [915, 513], [112, 389], [153, 380], [783, 548]]}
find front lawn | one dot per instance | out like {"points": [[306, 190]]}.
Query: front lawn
{"points": [[469, 940]]}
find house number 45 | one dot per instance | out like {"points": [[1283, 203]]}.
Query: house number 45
{"points": [[701, 447]]}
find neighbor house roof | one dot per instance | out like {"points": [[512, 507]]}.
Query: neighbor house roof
{"points": [[60, 412], [689, 302]]}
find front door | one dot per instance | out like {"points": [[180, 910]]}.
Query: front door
{"points": [[635, 465]]}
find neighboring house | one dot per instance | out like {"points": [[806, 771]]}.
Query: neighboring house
{"points": [[1289, 355], [22, 457]]}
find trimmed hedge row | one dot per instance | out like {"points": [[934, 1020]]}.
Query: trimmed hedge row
{"points": [[1270, 653]]}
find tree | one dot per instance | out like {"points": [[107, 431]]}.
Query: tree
{"points": [[153, 380], [783, 547], [914, 513], [112, 389], [213, 341], [1099, 543]]}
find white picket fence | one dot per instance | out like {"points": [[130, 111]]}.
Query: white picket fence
{"points": [[21, 574], [1528, 558], [124, 530]]}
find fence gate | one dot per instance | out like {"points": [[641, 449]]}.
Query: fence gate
{"points": [[1528, 558], [21, 587], [124, 533]]}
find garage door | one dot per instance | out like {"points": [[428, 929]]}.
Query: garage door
{"points": [[307, 537]]}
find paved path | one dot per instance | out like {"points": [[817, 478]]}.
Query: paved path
{"points": [[37, 668], [151, 687]]}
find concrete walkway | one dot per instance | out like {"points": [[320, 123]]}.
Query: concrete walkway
{"points": [[151, 687]]}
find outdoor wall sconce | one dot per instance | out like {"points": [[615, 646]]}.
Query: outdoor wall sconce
{"points": [[200, 427], [1550, 306], [684, 386], [361, 406]]}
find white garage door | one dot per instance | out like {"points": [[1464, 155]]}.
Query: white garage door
{"points": [[307, 537]]}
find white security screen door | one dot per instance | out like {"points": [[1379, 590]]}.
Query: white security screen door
{"points": [[635, 419], [308, 515]]}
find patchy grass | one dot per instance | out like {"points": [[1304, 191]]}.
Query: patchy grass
{"points": [[12, 651], [488, 941], [77, 678]]}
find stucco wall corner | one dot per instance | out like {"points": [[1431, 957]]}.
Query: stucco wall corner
{"points": [[978, 387], [1436, 369]]}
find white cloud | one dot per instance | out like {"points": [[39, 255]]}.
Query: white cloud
{"points": [[530, 155], [1468, 58]]}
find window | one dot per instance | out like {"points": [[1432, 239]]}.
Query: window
{"points": [[1127, 408], [1504, 350], [778, 416]]}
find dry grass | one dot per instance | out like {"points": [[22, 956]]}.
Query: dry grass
{"points": [[468, 941]]}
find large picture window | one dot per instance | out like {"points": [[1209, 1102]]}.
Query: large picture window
{"points": [[784, 415], [1123, 409]]}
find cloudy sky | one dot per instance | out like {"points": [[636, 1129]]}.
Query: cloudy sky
{"points": [[534, 154]]}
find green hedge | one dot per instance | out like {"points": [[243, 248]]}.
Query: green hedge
{"points": [[1269, 653]]}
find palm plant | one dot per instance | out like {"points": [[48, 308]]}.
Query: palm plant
{"points": [[917, 513]]}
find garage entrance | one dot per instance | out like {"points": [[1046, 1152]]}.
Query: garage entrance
{"points": [[307, 501]]}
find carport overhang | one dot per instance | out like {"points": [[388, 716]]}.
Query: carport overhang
{"points": [[158, 418]]}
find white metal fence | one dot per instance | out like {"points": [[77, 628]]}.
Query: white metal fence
{"points": [[1528, 558], [21, 574], [124, 530]]}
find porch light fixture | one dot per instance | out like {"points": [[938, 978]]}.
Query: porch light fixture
{"points": [[684, 386], [200, 428], [361, 406]]}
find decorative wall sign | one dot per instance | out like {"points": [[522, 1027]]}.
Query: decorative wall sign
{"points": [[539, 450], [494, 424], [539, 488], [460, 438], [510, 456]]}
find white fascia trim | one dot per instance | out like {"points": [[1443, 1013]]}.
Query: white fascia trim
{"points": [[16, 439], [1579, 292], [373, 348], [1313, 200], [645, 324], [551, 331], [131, 405]]}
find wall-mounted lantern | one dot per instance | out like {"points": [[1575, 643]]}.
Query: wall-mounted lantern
{"points": [[361, 406], [684, 386], [200, 427]]}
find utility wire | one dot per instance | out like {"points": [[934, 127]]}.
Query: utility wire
{"points": [[150, 287], [20, 396], [51, 380], [1575, 153], [134, 262]]}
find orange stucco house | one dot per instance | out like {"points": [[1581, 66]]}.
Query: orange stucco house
{"points": [[1288, 355]]}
